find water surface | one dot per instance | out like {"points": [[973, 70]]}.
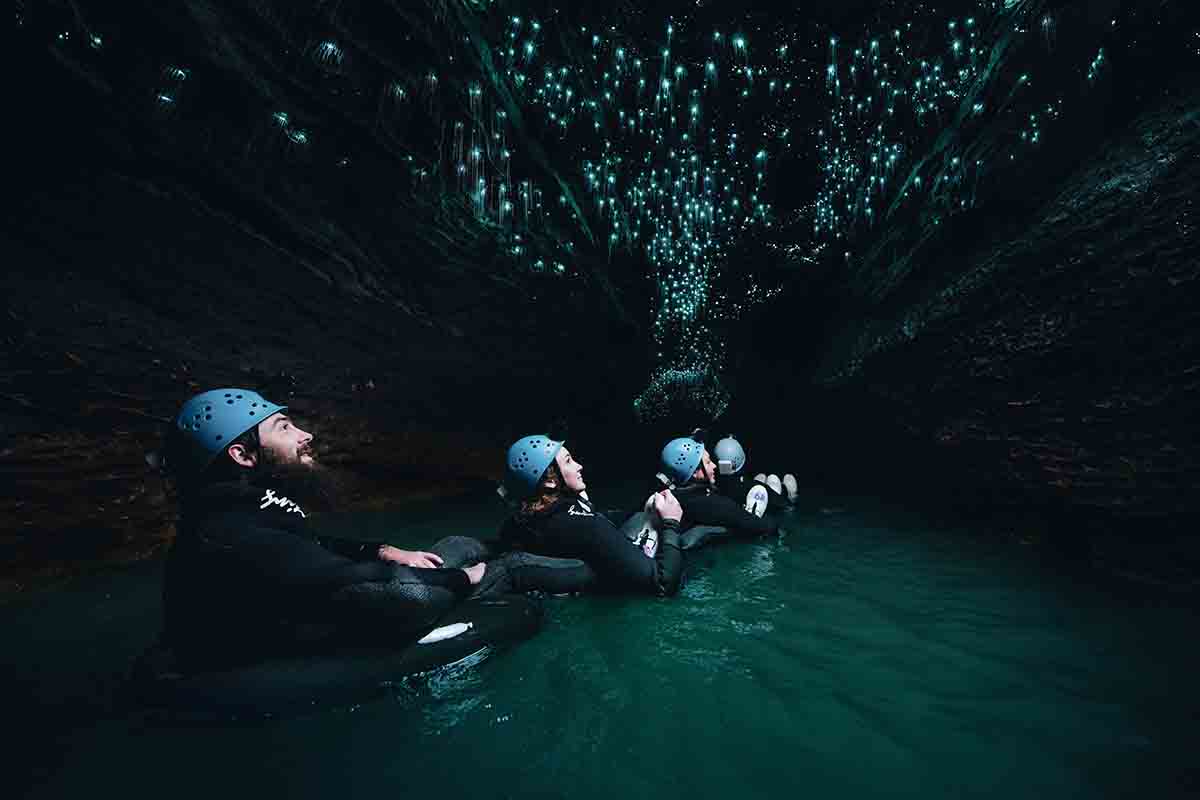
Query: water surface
{"points": [[866, 653]]}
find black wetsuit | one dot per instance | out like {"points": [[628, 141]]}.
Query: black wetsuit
{"points": [[571, 528], [247, 580], [704, 505]]}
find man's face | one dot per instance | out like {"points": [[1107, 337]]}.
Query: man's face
{"points": [[707, 471], [283, 442]]}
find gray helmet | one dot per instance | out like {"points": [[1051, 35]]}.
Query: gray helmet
{"points": [[729, 449], [527, 461], [208, 422]]}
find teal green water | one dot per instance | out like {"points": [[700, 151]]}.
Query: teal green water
{"points": [[866, 654]]}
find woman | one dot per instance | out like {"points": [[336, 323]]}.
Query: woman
{"points": [[735, 484], [555, 518]]}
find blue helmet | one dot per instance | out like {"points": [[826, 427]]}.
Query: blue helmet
{"points": [[211, 420], [527, 461], [729, 449], [681, 457]]}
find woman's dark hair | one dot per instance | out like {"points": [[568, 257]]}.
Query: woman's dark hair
{"points": [[546, 496]]}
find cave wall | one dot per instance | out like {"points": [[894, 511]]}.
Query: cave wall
{"points": [[1046, 375]]}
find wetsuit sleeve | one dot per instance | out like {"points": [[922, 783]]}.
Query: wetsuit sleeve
{"points": [[716, 509], [380, 598], [669, 559], [293, 561], [350, 548], [616, 560]]}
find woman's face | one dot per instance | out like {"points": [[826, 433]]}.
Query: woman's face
{"points": [[706, 471], [572, 470]]}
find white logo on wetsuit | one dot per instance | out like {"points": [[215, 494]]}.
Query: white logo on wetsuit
{"points": [[271, 499], [580, 509]]}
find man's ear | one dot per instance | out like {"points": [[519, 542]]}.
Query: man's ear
{"points": [[241, 456]]}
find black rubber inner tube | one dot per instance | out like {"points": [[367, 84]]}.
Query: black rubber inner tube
{"points": [[288, 685]]}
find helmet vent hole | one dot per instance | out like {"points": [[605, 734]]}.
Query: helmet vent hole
{"points": [[208, 416], [219, 437], [230, 402]]}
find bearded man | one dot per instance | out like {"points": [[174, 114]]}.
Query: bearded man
{"points": [[246, 579]]}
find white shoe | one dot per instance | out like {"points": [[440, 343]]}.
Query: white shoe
{"points": [[761, 477], [789, 483], [773, 482], [757, 500]]}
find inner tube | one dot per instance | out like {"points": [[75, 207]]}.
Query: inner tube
{"points": [[693, 538], [472, 630], [698, 536]]}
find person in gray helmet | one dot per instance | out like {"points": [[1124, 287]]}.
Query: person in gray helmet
{"points": [[246, 579], [758, 494], [555, 517], [686, 463]]}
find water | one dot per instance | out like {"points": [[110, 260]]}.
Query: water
{"points": [[868, 653]]}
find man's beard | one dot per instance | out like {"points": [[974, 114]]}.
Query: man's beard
{"points": [[311, 485]]}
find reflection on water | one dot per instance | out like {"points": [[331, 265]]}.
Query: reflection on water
{"points": [[862, 655]]}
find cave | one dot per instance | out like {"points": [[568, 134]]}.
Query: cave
{"points": [[938, 258]]}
